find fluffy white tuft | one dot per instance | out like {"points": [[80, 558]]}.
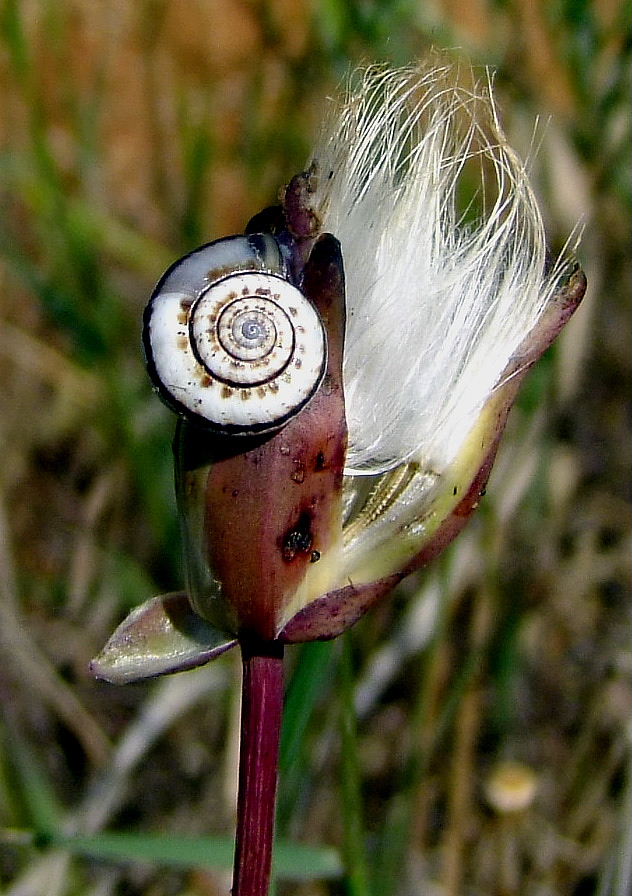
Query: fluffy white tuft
{"points": [[440, 290]]}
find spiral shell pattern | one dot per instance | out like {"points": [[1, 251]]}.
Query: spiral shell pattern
{"points": [[230, 342]]}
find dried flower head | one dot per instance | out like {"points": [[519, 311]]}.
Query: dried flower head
{"points": [[440, 292], [448, 302]]}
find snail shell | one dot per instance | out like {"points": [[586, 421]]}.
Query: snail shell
{"points": [[230, 342]]}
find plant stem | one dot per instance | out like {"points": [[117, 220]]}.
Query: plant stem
{"points": [[261, 712]]}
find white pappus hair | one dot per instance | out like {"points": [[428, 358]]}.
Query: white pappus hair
{"points": [[440, 291]]}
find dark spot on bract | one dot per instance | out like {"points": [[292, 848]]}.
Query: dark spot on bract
{"points": [[320, 462], [297, 541], [314, 557]]}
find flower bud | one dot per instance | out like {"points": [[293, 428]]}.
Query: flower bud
{"points": [[345, 370]]}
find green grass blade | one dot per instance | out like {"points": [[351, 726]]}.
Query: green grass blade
{"points": [[311, 680], [39, 803], [351, 783], [15, 39], [306, 686], [293, 861]]}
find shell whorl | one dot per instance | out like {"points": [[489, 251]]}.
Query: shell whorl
{"points": [[230, 342]]}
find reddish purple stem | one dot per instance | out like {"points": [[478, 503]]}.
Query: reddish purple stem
{"points": [[261, 713]]}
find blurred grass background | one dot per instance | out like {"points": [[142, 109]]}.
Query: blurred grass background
{"points": [[131, 132]]}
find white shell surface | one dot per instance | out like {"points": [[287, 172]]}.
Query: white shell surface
{"points": [[243, 328], [276, 349], [193, 273]]}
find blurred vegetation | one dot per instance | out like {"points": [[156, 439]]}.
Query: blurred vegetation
{"points": [[129, 133]]}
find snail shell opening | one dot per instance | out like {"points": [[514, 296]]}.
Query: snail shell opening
{"points": [[242, 356]]}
